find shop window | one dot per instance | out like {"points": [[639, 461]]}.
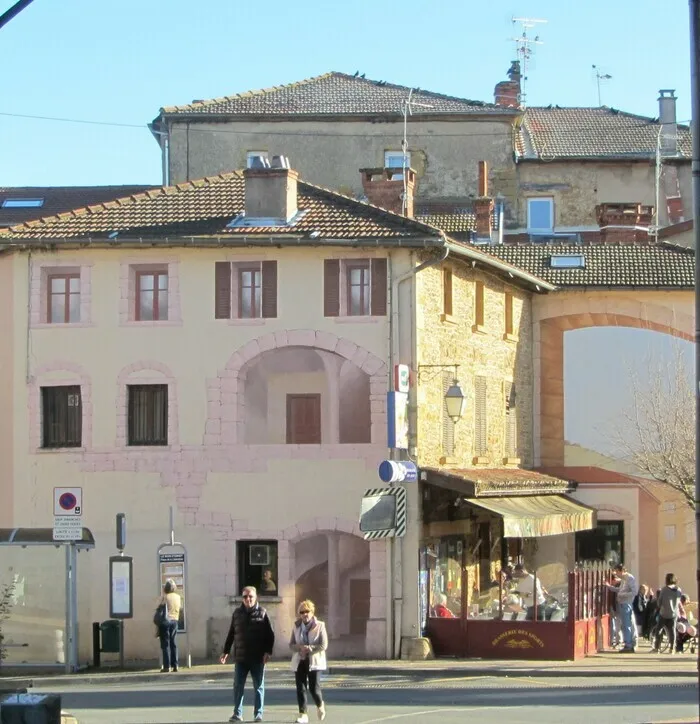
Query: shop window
{"points": [[257, 566], [445, 597], [604, 543]]}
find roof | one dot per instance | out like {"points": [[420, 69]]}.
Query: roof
{"points": [[207, 206], [57, 199], [592, 474], [475, 482], [650, 265], [333, 94], [591, 133], [450, 223]]}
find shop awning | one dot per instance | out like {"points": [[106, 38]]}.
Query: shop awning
{"points": [[534, 516]]}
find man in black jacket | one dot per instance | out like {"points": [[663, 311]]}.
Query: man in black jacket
{"points": [[253, 639]]}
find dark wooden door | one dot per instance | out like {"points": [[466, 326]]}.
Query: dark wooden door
{"points": [[304, 419], [359, 605]]}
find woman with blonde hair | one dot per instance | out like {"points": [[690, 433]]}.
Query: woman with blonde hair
{"points": [[308, 643], [167, 630]]}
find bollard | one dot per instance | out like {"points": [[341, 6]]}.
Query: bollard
{"points": [[96, 644]]}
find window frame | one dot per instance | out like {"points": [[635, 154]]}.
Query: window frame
{"points": [[22, 203], [156, 273], [256, 305], [152, 440], [67, 277], [290, 429], [243, 566], [534, 200], [397, 154], [365, 267], [67, 391]]}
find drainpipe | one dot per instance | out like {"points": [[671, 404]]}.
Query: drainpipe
{"points": [[395, 552]]}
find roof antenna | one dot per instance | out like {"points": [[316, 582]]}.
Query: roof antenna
{"points": [[407, 105], [600, 76], [524, 49]]}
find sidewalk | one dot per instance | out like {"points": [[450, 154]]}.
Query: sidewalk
{"points": [[611, 664]]}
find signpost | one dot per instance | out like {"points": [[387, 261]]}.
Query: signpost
{"points": [[67, 514]]}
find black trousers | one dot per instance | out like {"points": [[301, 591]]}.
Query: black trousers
{"points": [[307, 681]]}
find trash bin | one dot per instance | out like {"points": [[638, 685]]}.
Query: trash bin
{"points": [[39, 708], [110, 636]]}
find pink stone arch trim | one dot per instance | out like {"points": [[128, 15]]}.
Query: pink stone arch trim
{"points": [[130, 376], [75, 374], [224, 424]]}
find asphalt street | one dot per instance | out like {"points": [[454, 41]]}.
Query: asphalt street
{"points": [[396, 699]]}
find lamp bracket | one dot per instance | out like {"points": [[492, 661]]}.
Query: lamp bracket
{"points": [[455, 367]]}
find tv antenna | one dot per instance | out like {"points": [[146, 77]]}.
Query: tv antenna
{"points": [[600, 76], [407, 106], [524, 47]]}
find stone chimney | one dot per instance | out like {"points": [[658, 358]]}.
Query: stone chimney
{"points": [[507, 92], [667, 118], [483, 205], [384, 187], [626, 223], [271, 191]]}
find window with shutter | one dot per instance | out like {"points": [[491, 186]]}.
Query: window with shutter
{"points": [[480, 422], [448, 427], [508, 314], [479, 304], [222, 290], [357, 287], [62, 416], [511, 426], [245, 290], [331, 288], [379, 281], [447, 291], [269, 289]]}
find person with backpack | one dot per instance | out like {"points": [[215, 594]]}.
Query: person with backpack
{"points": [[669, 604], [167, 619]]}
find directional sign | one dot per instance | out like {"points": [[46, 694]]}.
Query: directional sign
{"points": [[398, 471], [68, 501], [67, 527]]}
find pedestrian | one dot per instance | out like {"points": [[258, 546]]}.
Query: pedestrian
{"points": [[626, 591], [253, 639], [639, 607], [309, 642], [167, 630], [669, 604], [532, 592]]}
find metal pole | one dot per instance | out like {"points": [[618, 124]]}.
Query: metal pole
{"points": [[695, 127], [69, 614]]}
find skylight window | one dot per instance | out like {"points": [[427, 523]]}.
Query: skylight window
{"points": [[22, 203], [567, 261]]}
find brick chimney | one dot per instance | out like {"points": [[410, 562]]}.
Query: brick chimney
{"points": [[507, 92], [626, 223], [271, 191], [384, 187], [667, 118], [483, 205]]}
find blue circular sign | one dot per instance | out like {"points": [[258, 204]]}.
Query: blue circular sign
{"points": [[67, 501]]}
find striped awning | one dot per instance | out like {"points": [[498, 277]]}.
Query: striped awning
{"points": [[535, 516]]}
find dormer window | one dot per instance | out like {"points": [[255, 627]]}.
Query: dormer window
{"points": [[14, 203], [567, 261]]}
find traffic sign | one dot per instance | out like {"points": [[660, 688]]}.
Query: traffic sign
{"points": [[67, 527], [398, 471], [68, 502]]}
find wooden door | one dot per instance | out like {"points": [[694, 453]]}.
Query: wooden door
{"points": [[359, 605], [304, 419]]}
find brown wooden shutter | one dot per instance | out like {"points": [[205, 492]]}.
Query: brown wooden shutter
{"points": [[222, 293], [331, 288], [480, 423], [304, 419], [378, 281], [269, 289], [511, 431], [447, 291], [448, 427]]}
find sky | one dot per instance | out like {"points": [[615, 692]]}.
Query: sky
{"points": [[115, 63]]}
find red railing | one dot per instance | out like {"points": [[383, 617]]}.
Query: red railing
{"points": [[589, 596]]}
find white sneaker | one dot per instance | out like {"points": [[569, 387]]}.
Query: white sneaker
{"points": [[303, 719], [321, 712]]}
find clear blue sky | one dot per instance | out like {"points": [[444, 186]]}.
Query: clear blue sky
{"points": [[119, 61]]}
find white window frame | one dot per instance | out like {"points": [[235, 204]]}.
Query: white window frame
{"points": [[536, 200], [669, 533], [388, 155], [253, 154], [13, 202]]}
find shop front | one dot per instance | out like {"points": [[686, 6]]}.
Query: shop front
{"points": [[497, 566]]}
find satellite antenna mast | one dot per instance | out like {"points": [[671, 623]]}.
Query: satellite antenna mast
{"points": [[600, 76], [524, 48], [407, 106]]}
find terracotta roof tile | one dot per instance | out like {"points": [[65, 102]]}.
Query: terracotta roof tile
{"points": [[553, 132], [332, 94], [450, 223]]}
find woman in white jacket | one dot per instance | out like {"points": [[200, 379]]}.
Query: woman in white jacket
{"points": [[308, 642]]}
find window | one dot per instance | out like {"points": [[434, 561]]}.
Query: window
{"points": [[447, 291], [604, 543], [22, 203], [690, 532], [394, 159], [354, 287], [257, 566], [669, 532], [253, 155], [304, 419], [480, 427], [62, 417], [151, 295], [147, 415], [540, 214], [479, 304], [668, 507], [511, 428], [63, 298], [253, 286], [567, 261], [508, 315], [448, 427]]}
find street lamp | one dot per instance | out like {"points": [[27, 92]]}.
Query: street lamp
{"points": [[454, 401]]}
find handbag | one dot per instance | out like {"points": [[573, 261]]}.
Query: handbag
{"points": [[160, 617]]}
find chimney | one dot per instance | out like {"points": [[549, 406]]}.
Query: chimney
{"points": [[667, 118], [483, 205], [271, 191], [384, 187], [624, 223], [507, 92]]}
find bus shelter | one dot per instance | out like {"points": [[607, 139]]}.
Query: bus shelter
{"points": [[40, 624]]}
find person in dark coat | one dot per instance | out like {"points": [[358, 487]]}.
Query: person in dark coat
{"points": [[253, 639]]}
